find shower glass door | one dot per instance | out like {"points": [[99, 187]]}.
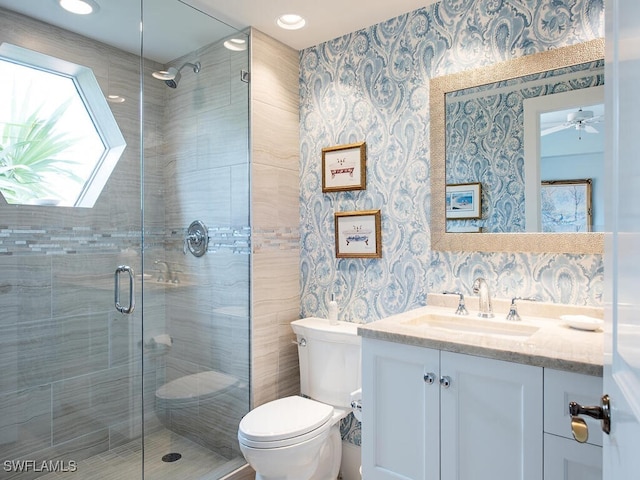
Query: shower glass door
{"points": [[70, 178], [103, 167], [196, 296]]}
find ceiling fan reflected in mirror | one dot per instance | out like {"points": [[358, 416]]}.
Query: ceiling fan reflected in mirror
{"points": [[581, 120]]}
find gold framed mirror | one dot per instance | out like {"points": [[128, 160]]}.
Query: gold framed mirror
{"points": [[441, 239]]}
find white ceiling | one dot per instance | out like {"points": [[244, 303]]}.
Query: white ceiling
{"points": [[172, 28], [326, 19], [571, 141]]}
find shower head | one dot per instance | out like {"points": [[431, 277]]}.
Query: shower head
{"points": [[171, 77]]}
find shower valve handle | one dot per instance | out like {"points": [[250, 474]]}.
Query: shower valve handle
{"points": [[197, 239]]}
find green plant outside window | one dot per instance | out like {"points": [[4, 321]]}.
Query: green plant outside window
{"points": [[59, 141]]}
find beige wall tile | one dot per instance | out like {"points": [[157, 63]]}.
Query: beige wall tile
{"points": [[274, 72], [275, 217], [276, 195]]}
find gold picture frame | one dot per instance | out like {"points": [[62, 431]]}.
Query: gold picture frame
{"points": [[344, 167], [565, 205], [358, 234]]}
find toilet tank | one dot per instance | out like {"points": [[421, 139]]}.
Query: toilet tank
{"points": [[329, 360]]}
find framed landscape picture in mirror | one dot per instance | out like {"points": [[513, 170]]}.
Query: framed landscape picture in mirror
{"points": [[565, 205], [344, 167], [464, 200], [358, 234]]}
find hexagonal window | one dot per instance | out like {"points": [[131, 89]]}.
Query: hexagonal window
{"points": [[59, 141]]}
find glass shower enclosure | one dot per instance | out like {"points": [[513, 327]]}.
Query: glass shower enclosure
{"points": [[124, 241]]}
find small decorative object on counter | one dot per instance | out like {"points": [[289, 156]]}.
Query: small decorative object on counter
{"points": [[333, 311]]}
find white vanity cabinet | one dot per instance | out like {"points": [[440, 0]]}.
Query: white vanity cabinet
{"points": [[564, 458], [430, 414]]}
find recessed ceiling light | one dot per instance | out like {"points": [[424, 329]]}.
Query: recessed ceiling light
{"points": [[236, 44], [79, 7], [291, 21]]}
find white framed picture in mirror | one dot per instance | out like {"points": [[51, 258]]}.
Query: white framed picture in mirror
{"points": [[464, 200]]}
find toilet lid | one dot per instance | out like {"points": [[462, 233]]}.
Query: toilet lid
{"points": [[284, 418], [196, 385]]}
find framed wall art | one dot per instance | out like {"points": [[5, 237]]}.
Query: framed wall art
{"points": [[464, 200], [344, 167], [565, 205], [358, 234]]}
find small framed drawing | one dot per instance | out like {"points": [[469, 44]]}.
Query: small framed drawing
{"points": [[358, 234], [344, 167], [464, 200], [565, 205]]}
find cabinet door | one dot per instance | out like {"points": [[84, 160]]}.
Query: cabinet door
{"points": [[566, 459], [400, 412], [491, 419]]}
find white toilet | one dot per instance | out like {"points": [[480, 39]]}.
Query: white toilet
{"points": [[297, 438]]}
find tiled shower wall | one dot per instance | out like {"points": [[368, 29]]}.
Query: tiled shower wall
{"points": [[70, 380], [204, 160]]}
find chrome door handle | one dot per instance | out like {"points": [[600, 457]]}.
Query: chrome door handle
{"points": [[132, 299], [429, 378], [579, 427], [445, 381]]}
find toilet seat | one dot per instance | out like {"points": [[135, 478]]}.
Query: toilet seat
{"points": [[283, 422]]}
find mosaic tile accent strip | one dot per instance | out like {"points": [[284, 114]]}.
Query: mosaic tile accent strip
{"points": [[77, 240], [280, 239]]}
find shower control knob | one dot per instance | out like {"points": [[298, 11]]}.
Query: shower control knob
{"points": [[197, 239]]}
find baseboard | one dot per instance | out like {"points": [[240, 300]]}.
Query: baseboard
{"points": [[243, 473], [351, 461]]}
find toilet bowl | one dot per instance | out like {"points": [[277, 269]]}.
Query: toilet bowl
{"points": [[298, 437], [203, 407], [293, 438]]}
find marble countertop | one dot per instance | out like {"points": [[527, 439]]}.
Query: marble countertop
{"points": [[552, 345]]}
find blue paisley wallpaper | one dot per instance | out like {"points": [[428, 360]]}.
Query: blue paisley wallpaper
{"points": [[373, 85]]}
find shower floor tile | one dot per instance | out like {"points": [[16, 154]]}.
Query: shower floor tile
{"points": [[197, 462]]}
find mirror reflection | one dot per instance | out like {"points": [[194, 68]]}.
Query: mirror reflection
{"points": [[515, 136]]}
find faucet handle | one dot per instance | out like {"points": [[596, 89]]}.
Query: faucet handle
{"points": [[513, 314], [462, 309]]}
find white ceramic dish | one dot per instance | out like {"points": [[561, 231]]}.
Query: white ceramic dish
{"points": [[582, 322]]}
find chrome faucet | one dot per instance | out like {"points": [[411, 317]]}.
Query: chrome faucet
{"points": [[164, 273], [462, 309], [481, 288]]}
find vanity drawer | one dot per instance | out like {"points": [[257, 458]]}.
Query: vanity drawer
{"points": [[560, 388], [566, 459]]}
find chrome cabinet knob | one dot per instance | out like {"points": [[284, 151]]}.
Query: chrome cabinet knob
{"points": [[445, 381], [429, 378]]}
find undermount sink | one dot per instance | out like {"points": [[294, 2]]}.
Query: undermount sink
{"points": [[472, 325]]}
